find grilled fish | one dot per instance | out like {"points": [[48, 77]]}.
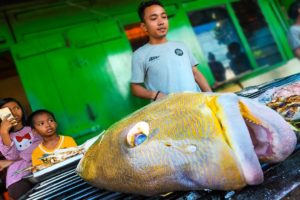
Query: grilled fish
{"points": [[188, 141]]}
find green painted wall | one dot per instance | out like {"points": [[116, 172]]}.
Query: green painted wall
{"points": [[74, 58]]}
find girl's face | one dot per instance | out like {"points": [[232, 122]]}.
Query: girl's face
{"points": [[16, 111], [44, 125], [155, 23]]}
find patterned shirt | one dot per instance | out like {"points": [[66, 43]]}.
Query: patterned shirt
{"points": [[20, 150]]}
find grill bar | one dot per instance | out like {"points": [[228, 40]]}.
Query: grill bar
{"points": [[55, 178], [68, 190], [83, 193], [87, 190]]}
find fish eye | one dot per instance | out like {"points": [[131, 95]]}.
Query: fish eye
{"points": [[138, 134], [139, 139]]}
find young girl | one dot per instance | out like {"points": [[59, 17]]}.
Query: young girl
{"points": [[16, 144], [43, 123]]}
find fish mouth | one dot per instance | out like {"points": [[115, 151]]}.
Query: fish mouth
{"points": [[272, 137], [260, 135], [262, 138]]}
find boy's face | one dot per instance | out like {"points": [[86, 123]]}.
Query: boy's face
{"points": [[45, 125], [156, 22]]}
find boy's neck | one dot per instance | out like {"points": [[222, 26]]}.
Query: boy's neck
{"points": [[157, 41], [51, 142]]}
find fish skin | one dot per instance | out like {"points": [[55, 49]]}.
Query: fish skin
{"points": [[196, 141]]}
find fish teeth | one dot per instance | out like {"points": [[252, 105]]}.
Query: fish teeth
{"points": [[249, 120]]}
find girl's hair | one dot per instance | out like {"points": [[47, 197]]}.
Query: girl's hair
{"points": [[36, 113], [9, 99], [145, 4]]}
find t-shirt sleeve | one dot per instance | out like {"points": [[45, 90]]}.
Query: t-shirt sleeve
{"points": [[294, 37], [9, 152], [137, 69], [35, 157], [70, 142], [191, 57]]}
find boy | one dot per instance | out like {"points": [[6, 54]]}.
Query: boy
{"points": [[43, 123], [163, 66]]}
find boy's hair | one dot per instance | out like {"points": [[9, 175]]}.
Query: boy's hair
{"points": [[9, 99], [36, 113], [293, 11], [145, 4]]}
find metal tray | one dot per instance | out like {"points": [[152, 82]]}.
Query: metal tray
{"points": [[54, 170]]}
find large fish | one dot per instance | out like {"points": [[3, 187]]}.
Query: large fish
{"points": [[188, 141]]}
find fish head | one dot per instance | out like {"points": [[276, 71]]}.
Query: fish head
{"points": [[185, 141]]}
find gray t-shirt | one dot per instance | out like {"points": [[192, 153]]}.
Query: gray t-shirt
{"points": [[164, 67], [294, 36]]}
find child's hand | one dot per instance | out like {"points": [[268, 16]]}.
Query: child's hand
{"points": [[7, 123]]}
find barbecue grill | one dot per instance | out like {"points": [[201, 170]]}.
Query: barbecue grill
{"points": [[281, 180]]}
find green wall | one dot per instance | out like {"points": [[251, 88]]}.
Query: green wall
{"points": [[74, 58]]}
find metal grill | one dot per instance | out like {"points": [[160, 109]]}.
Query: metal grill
{"points": [[255, 91], [281, 180]]}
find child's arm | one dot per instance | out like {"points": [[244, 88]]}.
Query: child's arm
{"points": [[9, 152], [7, 147], [4, 164], [5, 126]]}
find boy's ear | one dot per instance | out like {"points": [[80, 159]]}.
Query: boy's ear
{"points": [[143, 26]]}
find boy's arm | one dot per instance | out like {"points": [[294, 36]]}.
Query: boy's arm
{"points": [[139, 91], [297, 52], [201, 80]]}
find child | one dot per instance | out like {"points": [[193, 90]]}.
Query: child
{"points": [[161, 67], [17, 142], [43, 123]]}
